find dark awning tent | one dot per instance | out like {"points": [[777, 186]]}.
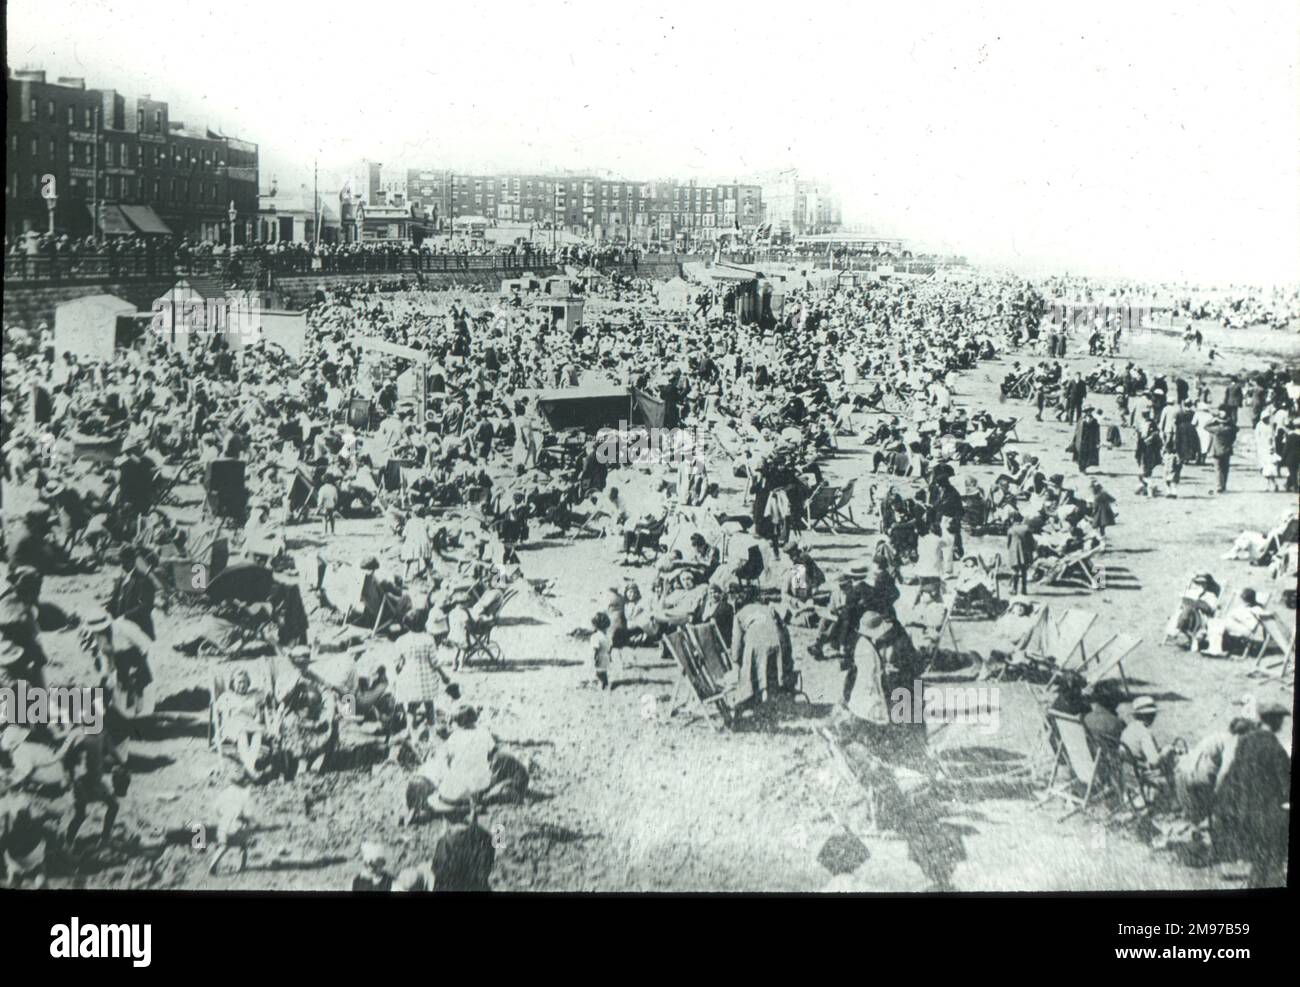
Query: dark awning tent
{"points": [[111, 219], [602, 406], [146, 220]]}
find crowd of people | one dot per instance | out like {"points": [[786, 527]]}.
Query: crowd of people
{"points": [[438, 435]]}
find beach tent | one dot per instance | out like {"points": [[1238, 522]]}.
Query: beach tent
{"points": [[677, 293], [595, 407], [87, 326]]}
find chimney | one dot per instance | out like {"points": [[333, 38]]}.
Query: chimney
{"points": [[72, 82], [30, 75]]}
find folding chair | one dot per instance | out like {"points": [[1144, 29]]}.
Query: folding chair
{"points": [[216, 729], [1281, 667], [818, 509], [1172, 630], [944, 627], [1057, 642], [842, 508], [1083, 767], [480, 628], [711, 698], [1080, 565], [1110, 657], [1132, 781]]}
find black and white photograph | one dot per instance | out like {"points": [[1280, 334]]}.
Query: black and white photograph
{"points": [[684, 448]]}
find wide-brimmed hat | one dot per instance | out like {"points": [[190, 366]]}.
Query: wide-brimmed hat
{"points": [[1145, 706]]}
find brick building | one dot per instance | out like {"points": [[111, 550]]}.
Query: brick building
{"points": [[604, 208], [154, 174]]}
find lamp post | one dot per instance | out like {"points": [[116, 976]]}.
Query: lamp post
{"points": [[49, 193], [231, 214]]}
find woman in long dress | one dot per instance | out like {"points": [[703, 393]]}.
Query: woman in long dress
{"points": [[1266, 451], [1201, 420]]}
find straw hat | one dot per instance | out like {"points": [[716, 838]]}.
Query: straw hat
{"points": [[1144, 706]]}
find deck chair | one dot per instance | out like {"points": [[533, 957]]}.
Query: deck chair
{"points": [[1275, 633], [818, 509], [943, 630], [1081, 766], [1172, 632], [216, 729], [842, 509], [1059, 642], [1110, 657], [218, 737], [1131, 780], [483, 620], [700, 656], [1081, 565]]}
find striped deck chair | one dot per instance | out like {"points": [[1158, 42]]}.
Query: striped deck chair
{"points": [[703, 662]]}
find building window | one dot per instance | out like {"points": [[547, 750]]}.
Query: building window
{"points": [[172, 191], [89, 119], [157, 121], [155, 190], [54, 150], [50, 110], [36, 153], [72, 117], [72, 153], [31, 108]]}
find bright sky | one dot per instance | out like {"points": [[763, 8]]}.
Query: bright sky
{"points": [[1145, 138]]}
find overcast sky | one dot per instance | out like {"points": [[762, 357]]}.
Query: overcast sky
{"points": [[1137, 137]]}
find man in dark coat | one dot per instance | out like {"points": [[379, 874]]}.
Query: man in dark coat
{"points": [[133, 593], [1249, 820], [1086, 447], [1233, 398], [1073, 394]]}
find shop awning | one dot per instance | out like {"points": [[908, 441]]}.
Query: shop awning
{"points": [[145, 220], [111, 220]]}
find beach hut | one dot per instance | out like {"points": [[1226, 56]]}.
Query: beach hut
{"points": [[88, 327]]}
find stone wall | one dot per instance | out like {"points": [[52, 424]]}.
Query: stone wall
{"points": [[30, 305]]}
